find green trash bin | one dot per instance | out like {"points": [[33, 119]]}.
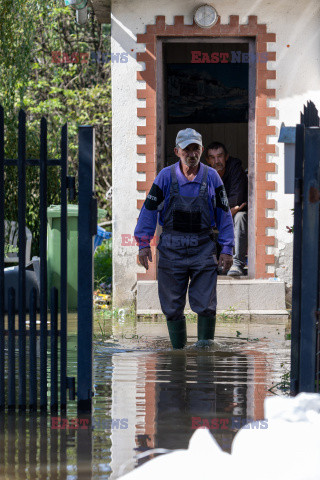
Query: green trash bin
{"points": [[53, 251]]}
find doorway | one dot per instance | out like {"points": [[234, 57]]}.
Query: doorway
{"points": [[209, 84]]}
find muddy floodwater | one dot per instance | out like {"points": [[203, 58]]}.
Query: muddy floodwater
{"points": [[147, 396]]}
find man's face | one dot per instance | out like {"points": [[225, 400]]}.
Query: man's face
{"points": [[190, 155], [217, 159]]}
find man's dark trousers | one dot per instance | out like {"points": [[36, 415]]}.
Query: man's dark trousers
{"points": [[240, 221], [184, 257]]}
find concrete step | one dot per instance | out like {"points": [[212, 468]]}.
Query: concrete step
{"points": [[261, 301]]}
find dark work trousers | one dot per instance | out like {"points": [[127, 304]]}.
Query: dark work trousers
{"points": [[184, 257], [187, 252]]}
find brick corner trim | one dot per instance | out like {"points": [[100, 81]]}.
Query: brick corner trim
{"points": [[262, 112]]}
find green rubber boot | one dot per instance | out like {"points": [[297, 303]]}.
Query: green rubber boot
{"points": [[206, 327], [177, 332]]}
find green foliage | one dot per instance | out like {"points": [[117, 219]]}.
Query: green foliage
{"points": [[229, 315], [16, 42], [291, 229], [10, 233], [79, 94], [9, 249], [104, 321], [103, 263], [191, 317], [283, 387]]}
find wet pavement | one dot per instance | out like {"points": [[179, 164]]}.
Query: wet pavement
{"points": [[148, 396]]}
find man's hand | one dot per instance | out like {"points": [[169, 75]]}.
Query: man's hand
{"points": [[145, 255], [237, 209], [225, 261]]}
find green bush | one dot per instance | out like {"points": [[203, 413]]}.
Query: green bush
{"points": [[103, 263], [77, 93]]}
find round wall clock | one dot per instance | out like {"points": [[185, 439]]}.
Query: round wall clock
{"points": [[205, 16]]}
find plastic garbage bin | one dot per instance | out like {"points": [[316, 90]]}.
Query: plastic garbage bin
{"points": [[53, 249], [11, 279]]}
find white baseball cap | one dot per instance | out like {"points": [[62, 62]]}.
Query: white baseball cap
{"points": [[187, 136]]}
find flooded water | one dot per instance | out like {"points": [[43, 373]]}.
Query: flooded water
{"points": [[147, 396]]}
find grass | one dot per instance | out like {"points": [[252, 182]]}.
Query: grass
{"points": [[104, 320], [229, 315], [191, 317], [226, 316], [105, 317]]}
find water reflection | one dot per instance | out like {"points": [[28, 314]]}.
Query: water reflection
{"points": [[146, 396], [201, 389]]}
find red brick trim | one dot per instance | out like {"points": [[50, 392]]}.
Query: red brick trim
{"points": [[262, 112]]}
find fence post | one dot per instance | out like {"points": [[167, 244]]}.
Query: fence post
{"points": [[87, 227], [11, 349], [22, 257], [33, 377], [2, 389], [296, 268], [54, 350], [63, 269], [310, 261], [43, 264]]}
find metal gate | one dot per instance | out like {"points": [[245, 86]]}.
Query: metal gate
{"points": [[87, 224], [305, 334]]}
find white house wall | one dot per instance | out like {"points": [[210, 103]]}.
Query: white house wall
{"points": [[297, 28]]}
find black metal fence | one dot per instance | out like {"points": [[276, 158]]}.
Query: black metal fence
{"points": [[87, 224], [305, 334]]}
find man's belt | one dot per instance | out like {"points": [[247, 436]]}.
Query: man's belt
{"points": [[204, 231]]}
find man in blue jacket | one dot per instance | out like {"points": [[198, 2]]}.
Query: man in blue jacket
{"points": [[188, 198]]}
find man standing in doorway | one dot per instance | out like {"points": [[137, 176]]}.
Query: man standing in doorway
{"points": [[235, 181], [188, 198]]}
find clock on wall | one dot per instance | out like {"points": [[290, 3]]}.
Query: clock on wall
{"points": [[205, 16]]}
